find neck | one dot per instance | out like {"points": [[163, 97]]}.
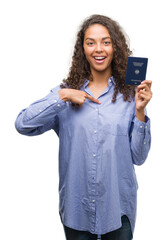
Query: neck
{"points": [[100, 78]]}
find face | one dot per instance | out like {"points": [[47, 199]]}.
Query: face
{"points": [[98, 48]]}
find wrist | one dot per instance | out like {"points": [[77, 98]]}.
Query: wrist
{"points": [[63, 94], [140, 114]]}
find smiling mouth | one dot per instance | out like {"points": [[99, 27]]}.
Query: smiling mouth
{"points": [[99, 59]]}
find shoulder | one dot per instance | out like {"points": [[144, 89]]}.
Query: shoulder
{"points": [[56, 89]]}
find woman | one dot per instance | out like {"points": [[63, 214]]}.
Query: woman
{"points": [[103, 131]]}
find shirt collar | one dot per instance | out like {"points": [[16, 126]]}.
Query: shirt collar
{"points": [[86, 82], [110, 82]]}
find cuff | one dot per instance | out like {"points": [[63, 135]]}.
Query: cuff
{"points": [[142, 127], [56, 102]]}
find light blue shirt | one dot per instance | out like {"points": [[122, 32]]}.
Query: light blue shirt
{"points": [[98, 147]]}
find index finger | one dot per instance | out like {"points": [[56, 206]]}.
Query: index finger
{"points": [[92, 98], [148, 82]]}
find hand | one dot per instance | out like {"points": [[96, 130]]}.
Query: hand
{"points": [[75, 96], [142, 97]]}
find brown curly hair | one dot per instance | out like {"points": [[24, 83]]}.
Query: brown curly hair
{"points": [[80, 68]]}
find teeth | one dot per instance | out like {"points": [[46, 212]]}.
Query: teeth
{"points": [[99, 58]]}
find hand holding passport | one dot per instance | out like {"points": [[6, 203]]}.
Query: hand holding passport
{"points": [[136, 75], [136, 70]]}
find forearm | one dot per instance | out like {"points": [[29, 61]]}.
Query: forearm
{"points": [[140, 140]]}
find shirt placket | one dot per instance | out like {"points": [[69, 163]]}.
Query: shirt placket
{"points": [[93, 194], [93, 173]]}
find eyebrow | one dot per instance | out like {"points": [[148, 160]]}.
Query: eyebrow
{"points": [[93, 38]]}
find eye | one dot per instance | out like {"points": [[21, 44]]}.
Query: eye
{"points": [[107, 43], [90, 43]]}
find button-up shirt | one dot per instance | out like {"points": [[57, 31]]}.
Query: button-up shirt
{"points": [[98, 147]]}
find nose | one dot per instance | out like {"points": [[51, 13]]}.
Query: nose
{"points": [[99, 48]]}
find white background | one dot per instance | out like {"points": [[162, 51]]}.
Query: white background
{"points": [[36, 45]]}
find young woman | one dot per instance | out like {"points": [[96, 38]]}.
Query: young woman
{"points": [[103, 131]]}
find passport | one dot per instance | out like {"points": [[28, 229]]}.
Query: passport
{"points": [[136, 70]]}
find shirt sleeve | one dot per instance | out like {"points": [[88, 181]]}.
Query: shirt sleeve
{"points": [[140, 140], [41, 115]]}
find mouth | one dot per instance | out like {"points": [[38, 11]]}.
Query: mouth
{"points": [[99, 59]]}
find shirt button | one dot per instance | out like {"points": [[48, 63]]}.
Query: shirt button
{"points": [[144, 142], [95, 131], [58, 105], [110, 80], [141, 126], [145, 126], [55, 100], [94, 155], [40, 110], [96, 109], [93, 201]]}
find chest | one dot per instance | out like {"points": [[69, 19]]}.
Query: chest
{"points": [[96, 92], [107, 118]]}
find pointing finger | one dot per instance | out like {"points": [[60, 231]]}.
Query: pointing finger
{"points": [[92, 98]]}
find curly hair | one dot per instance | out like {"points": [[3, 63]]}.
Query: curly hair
{"points": [[80, 68]]}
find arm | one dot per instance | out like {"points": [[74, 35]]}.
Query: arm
{"points": [[42, 115], [140, 140], [140, 136]]}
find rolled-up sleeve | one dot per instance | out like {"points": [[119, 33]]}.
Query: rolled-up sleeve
{"points": [[140, 140], [41, 115]]}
